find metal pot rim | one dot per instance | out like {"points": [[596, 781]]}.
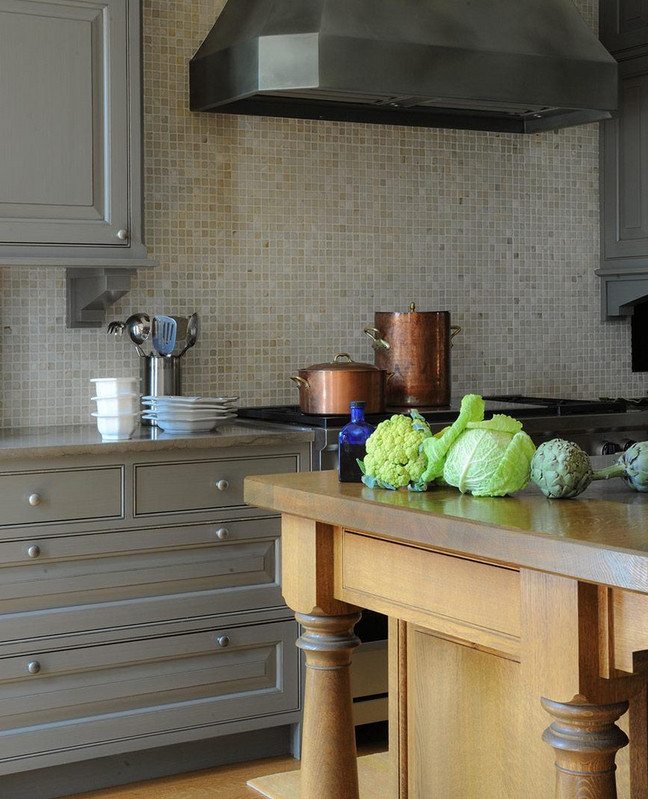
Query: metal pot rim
{"points": [[342, 366]]}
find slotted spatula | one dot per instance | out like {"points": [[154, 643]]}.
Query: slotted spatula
{"points": [[164, 334]]}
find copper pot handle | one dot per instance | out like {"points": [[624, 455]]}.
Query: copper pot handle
{"points": [[341, 355], [300, 382], [377, 341], [454, 331]]}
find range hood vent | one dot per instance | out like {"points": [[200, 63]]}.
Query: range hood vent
{"points": [[519, 66]]}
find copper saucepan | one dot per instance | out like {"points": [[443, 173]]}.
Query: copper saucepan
{"points": [[330, 388]]}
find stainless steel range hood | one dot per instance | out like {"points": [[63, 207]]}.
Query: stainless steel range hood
{"points": [[520, 66]]}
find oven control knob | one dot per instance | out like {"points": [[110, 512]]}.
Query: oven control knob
{"points": [[627, 444], [609, 448]]}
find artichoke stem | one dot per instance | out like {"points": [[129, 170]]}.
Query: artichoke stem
{"points": [[615, 470]]}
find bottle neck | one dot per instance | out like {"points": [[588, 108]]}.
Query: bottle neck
{"points": [[357, 415]]}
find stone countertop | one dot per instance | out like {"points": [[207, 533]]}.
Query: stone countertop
{"points": [[47, 442]]}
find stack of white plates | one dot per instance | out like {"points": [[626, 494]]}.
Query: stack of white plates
{"points": [[189, 414]]}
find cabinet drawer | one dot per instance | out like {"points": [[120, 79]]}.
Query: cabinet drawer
{"points": [[201, 485], [66, 700], [137, 576], [60, 495]]}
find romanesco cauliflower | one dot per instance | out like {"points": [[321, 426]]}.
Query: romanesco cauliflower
{"points": [[393, 459]]}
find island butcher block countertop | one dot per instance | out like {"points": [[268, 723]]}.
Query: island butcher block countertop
{"points": [[600, 536]]}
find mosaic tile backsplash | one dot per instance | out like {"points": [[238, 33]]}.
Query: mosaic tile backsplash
{"points": [[286, 236]]}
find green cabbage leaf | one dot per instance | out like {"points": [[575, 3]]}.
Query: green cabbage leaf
{"points": [[436, 448]]}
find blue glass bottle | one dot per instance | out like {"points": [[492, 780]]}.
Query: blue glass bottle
{"points": [[351, 444]]}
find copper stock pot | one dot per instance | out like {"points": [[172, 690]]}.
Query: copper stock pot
{"points": [[415, 348], [330, 388]]}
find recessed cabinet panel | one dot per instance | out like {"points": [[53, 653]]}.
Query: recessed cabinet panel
{"points": [[625, 167], [200, 485], [60, 495], [624, 24], [167, 573], [64, 122], [134, 689]]}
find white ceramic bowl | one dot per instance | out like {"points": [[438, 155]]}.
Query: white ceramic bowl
{"points": [[116, 428], [116, 406], [115, 386]]}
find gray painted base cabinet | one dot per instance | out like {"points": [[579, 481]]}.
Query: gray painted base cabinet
{"points": [[140, 606]]}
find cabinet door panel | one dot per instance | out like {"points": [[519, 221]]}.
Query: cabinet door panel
{"points": [[64, 126], [84, 697], [200, 485], [625, 167], [185, 573], [624, 24]]}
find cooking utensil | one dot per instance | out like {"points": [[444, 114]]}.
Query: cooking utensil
{"points": [[138, 326], [115, 328], [330, 388], [414, 347], [164, 334], [192, 334], [182, 323]]}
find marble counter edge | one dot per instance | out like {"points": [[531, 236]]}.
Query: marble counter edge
{"points": [[74, 440]]}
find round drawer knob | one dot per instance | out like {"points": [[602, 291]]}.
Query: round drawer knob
{"points": [[34, 499], [33, 551], [122, 234], [222, 533], [33, 667], [223, 640], [222, 485]]}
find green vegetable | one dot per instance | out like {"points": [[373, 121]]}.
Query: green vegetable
{"points": [[634, 462], [393, 459], [490, 458], [435, 449], [561, 469]]}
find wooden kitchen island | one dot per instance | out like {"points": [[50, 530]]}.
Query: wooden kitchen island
{"points": [[518, 637]]}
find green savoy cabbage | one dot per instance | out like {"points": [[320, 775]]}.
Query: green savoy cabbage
{"points": [[490, 459], [484, 458]]}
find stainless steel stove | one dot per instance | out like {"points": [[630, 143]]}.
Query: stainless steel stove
{"points": [[599, 426]]}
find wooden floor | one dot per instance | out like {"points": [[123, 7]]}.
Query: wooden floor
{"points": [[226, 782]]}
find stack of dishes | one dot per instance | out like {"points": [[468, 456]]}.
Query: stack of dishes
{"points": [[189, 414], [117, 411]]}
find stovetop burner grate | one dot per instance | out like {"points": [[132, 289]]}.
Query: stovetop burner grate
{"points": [[514, 404]]}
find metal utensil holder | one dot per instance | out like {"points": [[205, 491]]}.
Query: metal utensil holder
{"points": [[161, 377]]}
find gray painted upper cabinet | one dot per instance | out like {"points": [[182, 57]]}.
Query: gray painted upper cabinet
{"points": [[624, 26], [70, 133], [624, 162]]}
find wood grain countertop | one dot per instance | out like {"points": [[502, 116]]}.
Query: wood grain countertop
{"points": [[599, 537]]}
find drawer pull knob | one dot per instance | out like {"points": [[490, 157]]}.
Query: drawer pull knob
{"points": [[33, 551], [33, 667], [222, 533], [222, 485], [122, 234], [34, 499], [223, 640]]}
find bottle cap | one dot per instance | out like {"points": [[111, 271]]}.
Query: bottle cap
{"points": [[358, 404]]}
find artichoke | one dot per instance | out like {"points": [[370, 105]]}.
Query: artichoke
{"points": [[634, 462], [561, 469]]}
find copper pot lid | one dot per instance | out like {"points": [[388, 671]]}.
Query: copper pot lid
{"points": [[340, 365]]}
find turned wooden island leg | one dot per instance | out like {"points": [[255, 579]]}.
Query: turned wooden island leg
{"points": [[329, 765], [585, 740]]}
